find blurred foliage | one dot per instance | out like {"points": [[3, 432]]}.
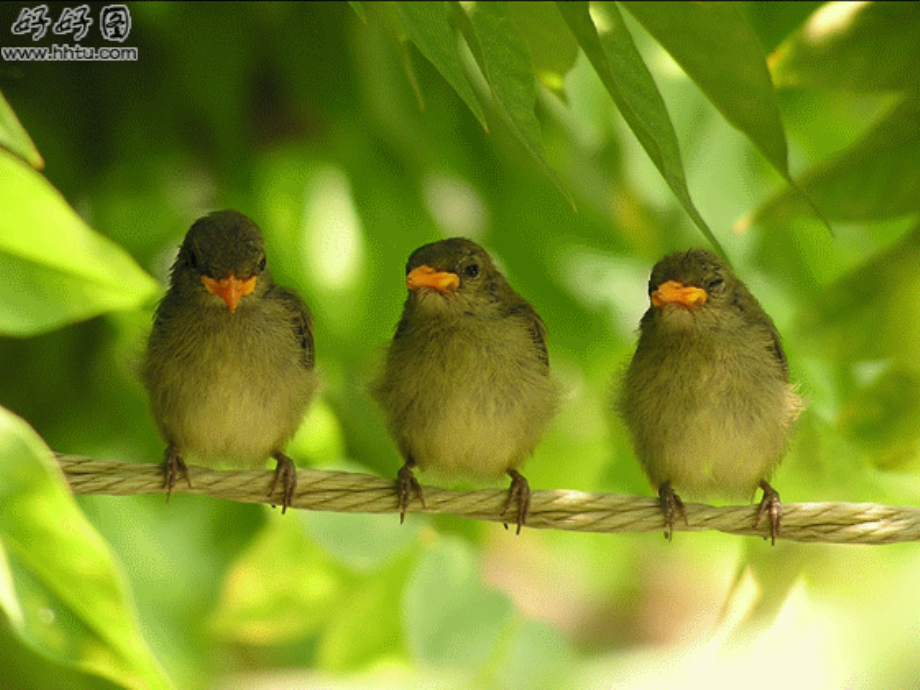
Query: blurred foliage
{"points": [[578, 151]]}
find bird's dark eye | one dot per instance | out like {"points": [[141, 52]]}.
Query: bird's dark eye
{"points": [[713, 284], [471, 271], [191, 260], [262, 264]]}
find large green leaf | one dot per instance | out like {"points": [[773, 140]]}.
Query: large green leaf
{"points": [[872, 312], [505, 62], [553, 50], [860, 46], [358, 7], [60, 587], [427, 26], [876, 178], [450, 618], [14, 137], [280, 589], [715, 44], [347, 640], [56, 270], [609, 46], [883, 417]]}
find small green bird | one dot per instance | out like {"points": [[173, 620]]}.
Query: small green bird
{"points": [[466, 387], [707, 396], [230, 359]]}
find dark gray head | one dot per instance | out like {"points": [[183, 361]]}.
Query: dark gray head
{"points": [[455, 273], [694, 268], [693, 280], [224, 254]]}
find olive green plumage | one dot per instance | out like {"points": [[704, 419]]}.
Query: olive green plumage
{"points": [[707, 396], [466, 387], [228, 385]]}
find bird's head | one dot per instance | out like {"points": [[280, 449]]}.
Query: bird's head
{"points": [[223, 254], [688, 288], [453, 276]]}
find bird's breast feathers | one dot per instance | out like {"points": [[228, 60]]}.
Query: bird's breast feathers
{"points": [[233, 393], [475, 403]]}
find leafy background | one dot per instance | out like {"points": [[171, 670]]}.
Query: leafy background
{"points": [[354, 134]]}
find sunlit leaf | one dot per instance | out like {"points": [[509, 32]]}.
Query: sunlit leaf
{"points": [[607, 43], [349, 641], [62, 590], [280, 589], [876, 178], [358, 7], [56, 269], [776, 20], [860, 46], [775, 573], [15, 139], [427, 25], [716, 46]]}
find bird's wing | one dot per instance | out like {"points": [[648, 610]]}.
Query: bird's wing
{"points": [[758, 317], [778, 351], [301, 324], [524, 310]]}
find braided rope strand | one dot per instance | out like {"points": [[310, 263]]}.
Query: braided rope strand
{"points": [[351, 492]]}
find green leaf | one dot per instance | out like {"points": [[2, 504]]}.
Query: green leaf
{"points": [[538, 657], [552, 49], [715, 44], [358, 7], [362, 542], [858, 46], [15, 139], [876, 178], [775, 21], [609, 46], [870, 313], [279, 590], [56, 269], [505, 62], [348, 641], [883, 417], [388, 15], [427, 26], [450, 618], [60, 587]]}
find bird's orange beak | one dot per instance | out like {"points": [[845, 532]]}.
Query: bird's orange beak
{"points": [[229, 289], [673, 292], [426, 276]]}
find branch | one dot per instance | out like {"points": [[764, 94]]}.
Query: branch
{"points": [[351, 492]]}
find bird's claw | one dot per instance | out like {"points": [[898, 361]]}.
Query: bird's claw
{"points": [[406, 486], [173, 466], [671, 506], [518, 491], [770, 506], [286, 475]]}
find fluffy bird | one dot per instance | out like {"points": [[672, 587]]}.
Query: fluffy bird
{"points": [[707, 396], [230, 360], [466, 387]]}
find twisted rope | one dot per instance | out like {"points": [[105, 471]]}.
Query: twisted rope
{"points": [[351, 492]]}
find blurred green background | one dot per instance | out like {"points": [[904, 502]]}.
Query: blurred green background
{"points": [[328, 125]]}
